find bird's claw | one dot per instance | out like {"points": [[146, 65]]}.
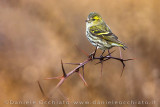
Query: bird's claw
{"points": [[91, 56], [101, 57]]}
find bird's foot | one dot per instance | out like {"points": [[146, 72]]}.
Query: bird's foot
{"points": [[101, 57], [92, 55]]}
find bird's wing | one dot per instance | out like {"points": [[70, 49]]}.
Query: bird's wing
{"points": [[99, 30], [112, 38], [104, 32]]}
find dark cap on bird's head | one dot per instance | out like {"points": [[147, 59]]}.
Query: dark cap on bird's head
{"points": [[93, 16]]}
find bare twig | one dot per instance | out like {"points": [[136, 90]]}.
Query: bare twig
{"points": [[90, 58]]}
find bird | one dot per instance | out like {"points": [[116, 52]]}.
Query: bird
{"points": [[100, 35]]}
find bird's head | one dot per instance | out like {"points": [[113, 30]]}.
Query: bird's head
{"points": [[94, 19]]}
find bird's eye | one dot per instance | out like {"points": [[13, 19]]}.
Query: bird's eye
{"points": [[93, 19]]}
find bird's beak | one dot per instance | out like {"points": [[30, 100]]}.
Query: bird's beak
{"points": [[87, 21]]}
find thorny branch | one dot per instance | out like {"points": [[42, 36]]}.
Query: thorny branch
{"points": [[90, 58]]}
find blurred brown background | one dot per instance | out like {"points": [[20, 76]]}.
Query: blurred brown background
{"points": [[36, 34]]}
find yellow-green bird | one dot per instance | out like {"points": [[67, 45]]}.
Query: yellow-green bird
{"points": [[99, 34]]}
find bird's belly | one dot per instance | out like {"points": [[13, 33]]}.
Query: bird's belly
{"points": [[96, 41]]}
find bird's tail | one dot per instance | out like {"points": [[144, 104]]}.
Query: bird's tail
{"points": [[119, 44], [123, 46]]}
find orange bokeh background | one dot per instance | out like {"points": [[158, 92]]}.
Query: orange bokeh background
{"points": [[36, 34]]}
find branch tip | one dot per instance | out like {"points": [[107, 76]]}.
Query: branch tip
{"points": [[123, 67], [101, 67], [64, 73], [72, 63], [53, 78], [41, 89], [84, 52], [83, 70], [85, 83]]}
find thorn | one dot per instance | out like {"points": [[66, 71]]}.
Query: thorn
{"points": [[122, 68], [101, 67], [120, 53], [85, 53], [41, 89], [72, 63], [83, 70], [122, 61], [53, 78], [60, 83], [77, 70], [85, 83], [64, 73], [128, 59], [122, 71]]}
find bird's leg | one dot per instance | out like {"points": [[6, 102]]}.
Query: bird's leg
{"points": [[102, 54], [92, 55], [109, 54]]}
